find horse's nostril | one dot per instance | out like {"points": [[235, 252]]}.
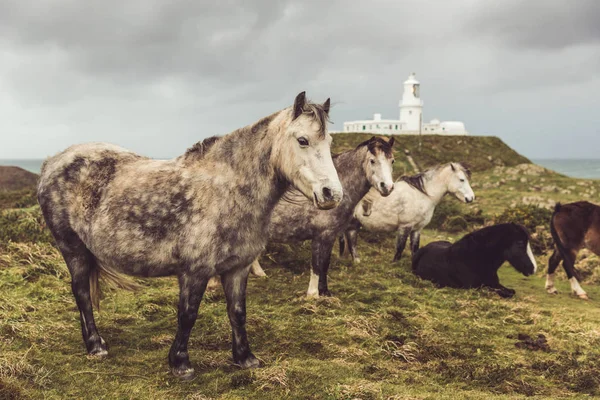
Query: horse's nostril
{"points": [[327, 195], [382, 185]]}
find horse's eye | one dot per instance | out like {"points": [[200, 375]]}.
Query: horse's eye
{"points": [[393, 161], [303, 142], [372, 161], [462, 180]]}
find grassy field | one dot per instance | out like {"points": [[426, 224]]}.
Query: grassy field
{"points": [[385, 335]]}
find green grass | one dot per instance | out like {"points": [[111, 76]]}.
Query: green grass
{"points": [[385, 335]]}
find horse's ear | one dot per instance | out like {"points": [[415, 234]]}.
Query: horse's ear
{"points": [[391, 141], [299, 104], [373, 138], [453, 167], [327, 105]]}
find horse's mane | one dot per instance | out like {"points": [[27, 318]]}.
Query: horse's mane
{"points": [[501, 231], [417, 181], [318, 113], [377, 142], [199, 149]]}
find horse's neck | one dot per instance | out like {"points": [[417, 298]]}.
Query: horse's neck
{"points": [[436, 186], [352, 174], [248, 152]]}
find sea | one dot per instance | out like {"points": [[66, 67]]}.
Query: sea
{"points": [[576, 168]]}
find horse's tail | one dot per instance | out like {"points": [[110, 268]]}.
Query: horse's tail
{"points": [[112, 278]]}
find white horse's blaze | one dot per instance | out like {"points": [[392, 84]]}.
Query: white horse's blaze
{"points": [[313, 286], [550, 284], [576, 288], [531, 257]]}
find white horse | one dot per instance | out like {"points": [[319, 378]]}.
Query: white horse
{"points": [[409, 208]]}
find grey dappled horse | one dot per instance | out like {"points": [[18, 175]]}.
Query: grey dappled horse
{"points": [[115, 213]]}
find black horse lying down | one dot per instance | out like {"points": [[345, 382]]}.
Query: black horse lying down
{"points": [[474, 260]]}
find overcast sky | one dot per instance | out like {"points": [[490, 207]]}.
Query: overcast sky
{"points": [[157, 76]]}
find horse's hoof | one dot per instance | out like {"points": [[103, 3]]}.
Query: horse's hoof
{"points": [[552, 290], [184, 373], [325, 293], [583, 296], [356, 261], [98, 353], [98, 350], [312, 295], [250, 362]]}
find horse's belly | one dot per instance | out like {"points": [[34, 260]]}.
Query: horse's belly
{"points": [[378, 221]]}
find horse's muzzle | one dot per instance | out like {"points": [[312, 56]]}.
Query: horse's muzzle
{"points": [[327, 199], [385, 190]]}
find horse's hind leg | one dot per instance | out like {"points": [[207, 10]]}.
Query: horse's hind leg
{"points": [[569, 266], [415, 240], [342, 242], [80, 262], [191, 290], [234, 283], [352, 240], [553, 262], [400, 243]]}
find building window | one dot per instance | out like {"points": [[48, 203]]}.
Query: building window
{"points": [[364, 127], [377, 126], [409, 112]]}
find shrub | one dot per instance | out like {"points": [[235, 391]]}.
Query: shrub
{"points": [[535, 219], [450, 216], [17, 199], [24, 225]]}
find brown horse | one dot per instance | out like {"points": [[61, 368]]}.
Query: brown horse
{"points": [[115, 213], [574, 226]]}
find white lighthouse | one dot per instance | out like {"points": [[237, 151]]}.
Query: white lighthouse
{"points": [[411, 118], [411, 105]]}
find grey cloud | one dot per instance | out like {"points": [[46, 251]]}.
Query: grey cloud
{"points": [[551, 24], [157, 76]]}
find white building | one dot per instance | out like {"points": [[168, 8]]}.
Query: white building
{"points": [[411, 118]]}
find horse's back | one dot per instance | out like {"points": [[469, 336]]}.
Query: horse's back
{"points": [[578, 225], [72, 182], [431, 263], [405, 206]]}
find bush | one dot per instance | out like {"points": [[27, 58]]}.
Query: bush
{"points": [[24, 225], [17, 199], [535, 219], [450, 216]]}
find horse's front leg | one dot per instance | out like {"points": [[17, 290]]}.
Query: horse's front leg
{"points": [[191, 290], [321, 255], [415, 240], [234, 284], [401, 243], [493, 283]]}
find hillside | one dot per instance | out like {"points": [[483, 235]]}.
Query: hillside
{"points": [[479, 152], [385, 335], [16, 178]]}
